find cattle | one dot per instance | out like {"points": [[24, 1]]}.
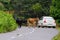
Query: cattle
{"points": [[32, 22], [20, 21]]}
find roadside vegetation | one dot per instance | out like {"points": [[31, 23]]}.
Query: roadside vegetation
{"points": [[58, 26], [7, 23], [55, 10], [57, 37]]}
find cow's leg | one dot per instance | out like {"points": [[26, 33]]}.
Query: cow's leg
{"points": [[28, 23], [34, 24], [20, 24]]}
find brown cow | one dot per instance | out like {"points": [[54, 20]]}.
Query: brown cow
{"points": [[32, 21]]}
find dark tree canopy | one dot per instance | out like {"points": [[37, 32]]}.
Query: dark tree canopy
{"points": [[28, 7]]}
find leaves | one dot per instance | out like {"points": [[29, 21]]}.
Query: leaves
{"points": [[57, 37], [2, 6], [36, 7], [7, 23], [55, 9], [5, 1]]}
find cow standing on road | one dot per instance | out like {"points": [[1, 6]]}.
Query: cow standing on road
{"points": [[32, 21], [20, 21]]}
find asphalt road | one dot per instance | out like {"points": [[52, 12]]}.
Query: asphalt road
{"points": [[26, 33]]}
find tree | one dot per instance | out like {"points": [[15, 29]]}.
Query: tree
{"points": [[6, 4], [31, 6], [55, 9], [36, 8], [2, 6]]}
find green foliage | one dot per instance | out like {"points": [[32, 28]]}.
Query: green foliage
{"points": [[55, 9], [57, 37], [5, 1], [2, 6], [7, 23], [36, 7], [31, 7], [6, 4]]}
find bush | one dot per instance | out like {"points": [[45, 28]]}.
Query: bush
{"points": [[7, 23]]}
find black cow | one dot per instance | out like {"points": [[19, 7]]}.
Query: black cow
{"points": [[20, 21]]}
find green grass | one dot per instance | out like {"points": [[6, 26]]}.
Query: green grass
{"points": [[57, 37]]}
